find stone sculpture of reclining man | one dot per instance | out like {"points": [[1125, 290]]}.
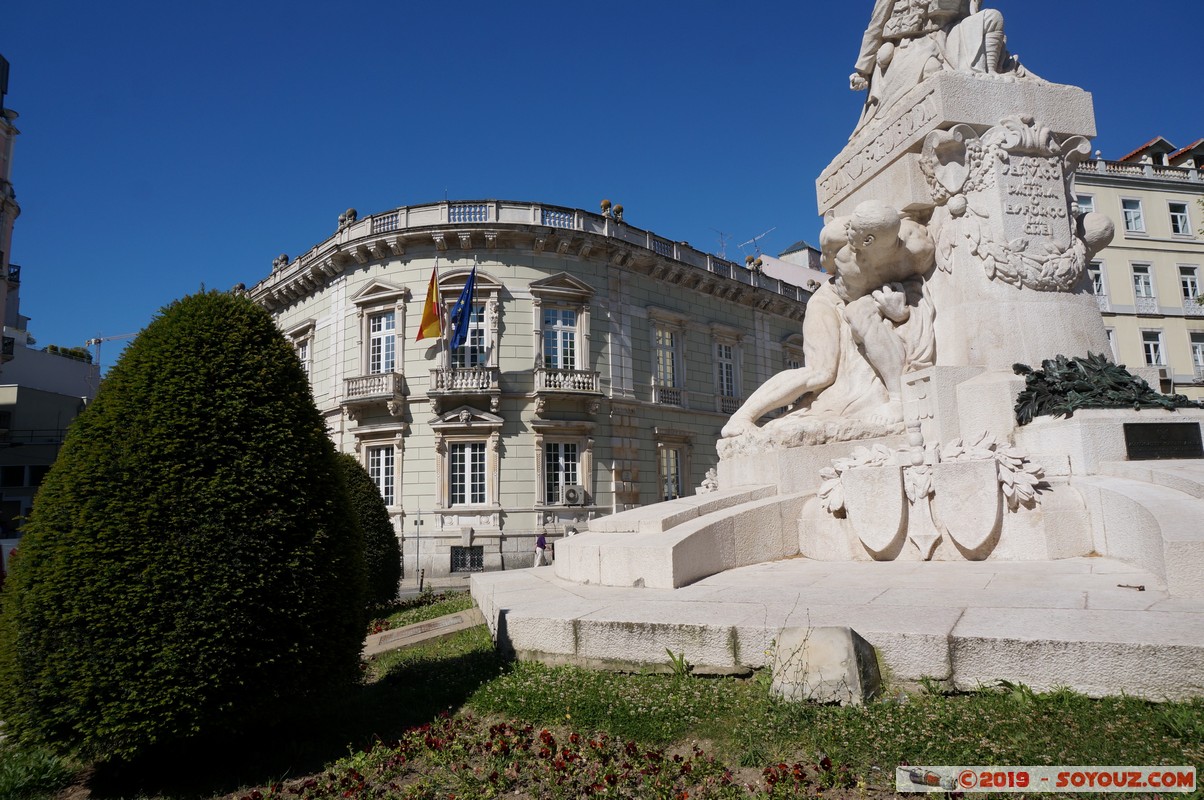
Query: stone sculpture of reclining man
{"points": [[863, 330]]}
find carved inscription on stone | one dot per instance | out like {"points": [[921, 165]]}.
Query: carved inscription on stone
{"points": [[1034, 199], [890, 140]]}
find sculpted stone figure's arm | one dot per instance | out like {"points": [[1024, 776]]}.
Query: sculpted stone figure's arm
{"points": [[870, 43], [821, 351]]}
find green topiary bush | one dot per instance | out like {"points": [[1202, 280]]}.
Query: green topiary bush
{"points": [[382, 554], [191, 563]]}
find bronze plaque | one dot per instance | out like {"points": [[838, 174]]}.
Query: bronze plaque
{"points": [[1145, 441]]}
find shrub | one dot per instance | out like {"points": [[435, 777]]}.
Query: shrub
{"points": [[190, 562], [382, 554]]}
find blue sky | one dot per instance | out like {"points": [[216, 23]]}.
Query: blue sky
{"points": [[166, 146]]}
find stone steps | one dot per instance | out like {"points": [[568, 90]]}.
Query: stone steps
{"points": [[1143, 521], [672, 544]]}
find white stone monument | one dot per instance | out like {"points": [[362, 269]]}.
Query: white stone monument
{"points": [[956, 250]]}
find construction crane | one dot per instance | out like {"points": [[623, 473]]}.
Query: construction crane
{"points": [[99, 340]]}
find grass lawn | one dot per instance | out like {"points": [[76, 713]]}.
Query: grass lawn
{"points": [[450, 719]]}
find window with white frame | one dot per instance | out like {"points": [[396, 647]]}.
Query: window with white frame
{"points": [[1143, 285], [382, 470], [1133, 216], [1197, 353], [301, 348], [1180, 223], [1111, 334], [1189, 282], [672, 472], [1151, 342], [1096, 270], [667, 343], [559, 338], [725, 369], [561, 468], [466, 473], [1086, 203], [382, 342], [475, 350]]}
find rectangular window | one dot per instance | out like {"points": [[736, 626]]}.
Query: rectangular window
{"points": [[1197, 351], [559, 338], [671, 473], [1096, 270], [666, 357], [725, 363], [302, 349], [1151, 341], [1112, 344], [1086, 203], [382, 343], [1189, 283], [1143, 286], [1134, 219], [1180, 224], [380, 468], [467, 474], [468, 559], [560, 469], [474, 351], [12, 476]]}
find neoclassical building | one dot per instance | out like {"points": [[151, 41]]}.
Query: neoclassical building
{"points": [[1148, 280], [600, 362]]}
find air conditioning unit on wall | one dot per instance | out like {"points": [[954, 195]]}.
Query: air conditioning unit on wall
{"points": [[574, 495]]}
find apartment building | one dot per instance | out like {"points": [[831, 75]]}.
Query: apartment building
{"points": [[1149, 280]]}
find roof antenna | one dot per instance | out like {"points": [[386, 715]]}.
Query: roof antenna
{"points": [[723, 237], [755, 241]]}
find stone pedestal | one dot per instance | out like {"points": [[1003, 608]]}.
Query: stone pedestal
{"points": [[882, 162]]}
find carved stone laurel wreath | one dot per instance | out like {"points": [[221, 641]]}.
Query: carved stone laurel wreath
{"points": [[952, 491]]}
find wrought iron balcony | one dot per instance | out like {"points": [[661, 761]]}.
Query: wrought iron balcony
{"points": [[728, 405]]}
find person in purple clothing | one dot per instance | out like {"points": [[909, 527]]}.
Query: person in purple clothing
{"points": [[541, 544]]}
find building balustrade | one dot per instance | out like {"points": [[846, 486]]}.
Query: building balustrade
{"points": [[465, 379], [1199, 373], [728, 405], [373, 388], [1147, 305], [567, 380], [308, 270], [1105, 304], [669, 396], [1191, 308], [1138, 170]]}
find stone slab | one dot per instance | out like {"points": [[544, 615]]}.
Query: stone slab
{"points": [[825, 665], [877, 154], [423, 631]]}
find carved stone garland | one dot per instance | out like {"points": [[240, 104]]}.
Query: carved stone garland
{"points": [[1004, 197]]}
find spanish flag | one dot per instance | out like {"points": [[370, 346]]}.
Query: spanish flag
{"points": [[431, 326]]}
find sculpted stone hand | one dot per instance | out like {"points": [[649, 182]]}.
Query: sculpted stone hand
{"points": [[858, 82], [891, 300]]}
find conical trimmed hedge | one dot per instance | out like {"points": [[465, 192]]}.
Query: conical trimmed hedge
{"points": [[381, 550], [191, 562]]}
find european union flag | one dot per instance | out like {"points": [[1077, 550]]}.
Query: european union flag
{"points": [[461, 312]]}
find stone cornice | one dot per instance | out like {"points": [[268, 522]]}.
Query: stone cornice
{"points": [[499, 225]]}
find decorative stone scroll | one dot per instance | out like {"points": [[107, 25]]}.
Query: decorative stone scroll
{"points": [[1005, 199]]}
